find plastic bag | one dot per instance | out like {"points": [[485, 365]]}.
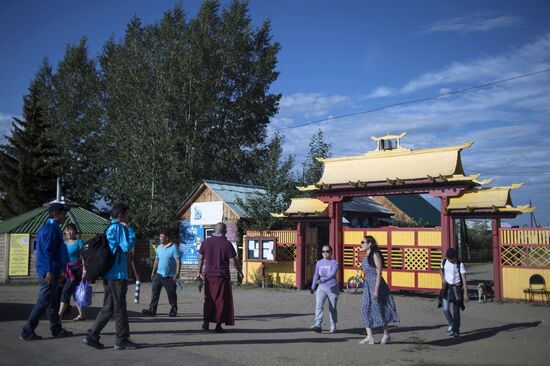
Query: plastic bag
{"points": [[83, 294], [179, 286]]}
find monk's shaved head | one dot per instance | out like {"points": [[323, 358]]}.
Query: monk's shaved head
{"points": [[220, 228]]}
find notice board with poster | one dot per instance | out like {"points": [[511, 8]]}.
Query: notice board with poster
{"points": [[20, 249], [191, 237]]}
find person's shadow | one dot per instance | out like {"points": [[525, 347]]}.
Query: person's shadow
{"points": [[478, 334]]}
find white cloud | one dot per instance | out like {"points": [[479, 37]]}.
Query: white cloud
{"points": [[477, 22], [509, 123], [310, 104], [529, 58], [381, 91]]}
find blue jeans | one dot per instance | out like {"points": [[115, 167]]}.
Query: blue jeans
{"points": [[46, 304], [453, 319], [322, 294]]}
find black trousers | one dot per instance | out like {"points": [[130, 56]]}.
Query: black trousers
{"points": [[114, 303], [170, 287]]}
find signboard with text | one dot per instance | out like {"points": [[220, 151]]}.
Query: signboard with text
{"points": [[19, 254]]}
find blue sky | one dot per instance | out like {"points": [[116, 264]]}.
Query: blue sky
{"points": [[346, 57]]}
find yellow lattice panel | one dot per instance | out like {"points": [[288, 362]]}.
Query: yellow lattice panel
{"points": [[429, 280], [416, 259], [396, 258], [512, 256], [435, 259], [353, 237], [402, 279], [381, 237], [539, 256], [286, 252], [429, 238], [402, 238]]}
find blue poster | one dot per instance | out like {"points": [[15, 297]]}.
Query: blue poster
{"points": [[191, 237]]}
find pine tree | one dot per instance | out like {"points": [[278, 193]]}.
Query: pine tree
{"points": [[75, 118], [28, 161], [274, 173], [318, 148]]}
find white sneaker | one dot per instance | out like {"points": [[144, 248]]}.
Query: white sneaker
{"points": [[450, 330], [332, 330], [385, 339], [367, 340]]}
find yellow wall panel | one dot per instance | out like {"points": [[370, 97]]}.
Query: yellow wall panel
{"points": [[402, 238], [429, 238], [402, 279], [515, 280], [381, 237], [429, 280], [353, 237], [251, 267]]}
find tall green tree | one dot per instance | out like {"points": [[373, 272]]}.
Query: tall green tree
{"points": [[318, 148], [185, 101], [28, 161], [275, 174], [75, 117]]}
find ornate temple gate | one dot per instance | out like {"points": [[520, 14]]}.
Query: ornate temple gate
{"points": [[412, 256], [523, 253]]}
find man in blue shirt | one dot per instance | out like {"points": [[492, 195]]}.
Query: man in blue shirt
{"points": [[115, 284], [166, 271], [51, 259]]}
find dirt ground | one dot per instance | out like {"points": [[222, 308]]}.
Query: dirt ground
{"points": [[272, 328]]}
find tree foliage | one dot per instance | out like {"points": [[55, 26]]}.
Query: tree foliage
{"points": [[28, 161], [167, 105], [275, 174], [318, 148]]}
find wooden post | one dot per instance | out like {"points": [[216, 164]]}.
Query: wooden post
{"points": [[300, 255], [335, 235], [445, 242], [497, 266]]}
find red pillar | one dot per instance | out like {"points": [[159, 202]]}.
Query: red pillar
{"points": [[445, 226], [335, 235], [300, 255], [497, 272]]}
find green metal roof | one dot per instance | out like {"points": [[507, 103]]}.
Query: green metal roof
{"points": [[28, 223], [231, 192], [416, 207]]}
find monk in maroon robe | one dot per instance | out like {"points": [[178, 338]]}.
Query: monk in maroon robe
{"points": [[217, 254]]}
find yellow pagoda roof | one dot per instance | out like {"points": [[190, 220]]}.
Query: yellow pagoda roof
{"points": [[308, 206], [394, 163], [495, 198]]}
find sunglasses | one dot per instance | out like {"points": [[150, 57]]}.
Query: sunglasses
{"points": [[366, 242], [326, 251]]}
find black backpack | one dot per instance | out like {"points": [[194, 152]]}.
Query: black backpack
{"points": [[98, 257]]}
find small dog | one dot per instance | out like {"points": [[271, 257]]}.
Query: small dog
{"points": [[485, 291]]}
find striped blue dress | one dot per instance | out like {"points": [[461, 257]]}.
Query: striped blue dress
{"points": [[376, 313]]}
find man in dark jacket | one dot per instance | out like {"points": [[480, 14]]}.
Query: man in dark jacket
{"points": [[51, 259]]}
